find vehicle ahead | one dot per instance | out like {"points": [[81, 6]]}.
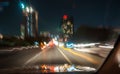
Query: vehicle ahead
{"points": [[111, 65], [43, 45]]}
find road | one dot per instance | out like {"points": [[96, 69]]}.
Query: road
{"points": [[55, 55]]}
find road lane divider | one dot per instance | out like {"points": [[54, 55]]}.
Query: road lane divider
{"points": [[82, 56], [68, 60], [32, 59]]}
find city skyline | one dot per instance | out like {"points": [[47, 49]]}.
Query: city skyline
{"points": [[93, 13]]}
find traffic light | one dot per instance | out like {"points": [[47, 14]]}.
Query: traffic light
{"points": [[65, 17]]}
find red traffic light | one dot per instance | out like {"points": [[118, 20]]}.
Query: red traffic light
{"points": [[65, 17]]}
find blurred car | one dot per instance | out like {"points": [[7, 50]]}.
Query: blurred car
{"points": [[51, 44], [42, 45]]}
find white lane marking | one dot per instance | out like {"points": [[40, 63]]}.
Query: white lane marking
{"points": [[68, 60], [33, 58]]}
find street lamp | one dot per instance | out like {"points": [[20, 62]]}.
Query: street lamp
{"points": [[29, 9], [22, 6], [1, 36]]}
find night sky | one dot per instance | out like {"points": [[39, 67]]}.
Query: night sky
{"points": [[90, 12]]}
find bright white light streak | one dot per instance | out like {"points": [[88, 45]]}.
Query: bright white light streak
{"points": [[55, 42], [31, 9], [61, 44], [27, 9], [45, 43], [109, 47], [84, 45]]}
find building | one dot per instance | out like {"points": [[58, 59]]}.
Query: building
{"points": [[22, 31], [29, 27], [67, 26], [45, 33], [34, 24]]}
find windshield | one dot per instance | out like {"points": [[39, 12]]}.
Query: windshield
{"points": [[57, 35]]}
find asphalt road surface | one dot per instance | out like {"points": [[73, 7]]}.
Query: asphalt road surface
{"points": [[54, 55]]}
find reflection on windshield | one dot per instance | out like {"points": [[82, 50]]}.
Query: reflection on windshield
{"points": [[56, 36]]}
